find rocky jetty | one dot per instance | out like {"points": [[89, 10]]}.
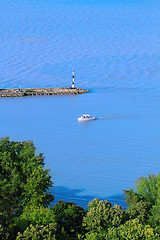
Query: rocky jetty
{"points": [[40, 91]]}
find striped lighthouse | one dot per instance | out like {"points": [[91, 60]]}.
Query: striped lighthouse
{"points": [[73, 82]]}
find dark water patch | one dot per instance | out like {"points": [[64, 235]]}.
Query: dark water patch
{"points": [[78, 196]]}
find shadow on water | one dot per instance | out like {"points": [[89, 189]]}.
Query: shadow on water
{"points": [[69, 195]]}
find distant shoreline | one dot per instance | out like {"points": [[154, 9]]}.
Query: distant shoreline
{"points": [[15, 92]]}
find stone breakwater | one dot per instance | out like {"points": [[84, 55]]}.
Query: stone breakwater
{"points": [[40, 91]]}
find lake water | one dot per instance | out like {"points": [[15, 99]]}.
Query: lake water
{"points": [[114, 49]]}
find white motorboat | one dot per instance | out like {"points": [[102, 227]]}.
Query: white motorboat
{"points": [[86, 117]]}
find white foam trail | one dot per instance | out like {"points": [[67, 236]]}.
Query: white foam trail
{"points": [[113, 117], [125, 116], [102, 117]]}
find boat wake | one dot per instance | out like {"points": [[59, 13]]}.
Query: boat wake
{"points": [[114, 117], [125, 117], [110, 117]]}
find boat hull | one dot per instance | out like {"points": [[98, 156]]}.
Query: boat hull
{"points": [[80, 119]]}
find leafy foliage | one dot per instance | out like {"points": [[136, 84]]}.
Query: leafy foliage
{"points": [[154, 218], [132, 197], [140, 211], [101, 216], [133, 229], [148, 188], [148, 196], [35, 216], [23, 181], [69, 218], [38, 232], [110, 234]]}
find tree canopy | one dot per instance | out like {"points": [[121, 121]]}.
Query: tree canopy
{"points": [[23, 179], [147, 191], [26, 213]]}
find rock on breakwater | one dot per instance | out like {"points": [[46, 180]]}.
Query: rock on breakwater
{"points": [[40, 91]]}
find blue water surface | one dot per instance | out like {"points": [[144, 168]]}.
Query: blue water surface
{"points": [[114, 48]]}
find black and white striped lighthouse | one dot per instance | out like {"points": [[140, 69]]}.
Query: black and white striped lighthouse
{"points": [[73, 82]]}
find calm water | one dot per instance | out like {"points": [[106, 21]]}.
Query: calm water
{"points": [[114, 48]]}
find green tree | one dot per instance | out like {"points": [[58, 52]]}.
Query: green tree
{"points": [[110, 234], [101, 216], [154, 218], [146, 189], [145, 199], [132, 198], [130, 230], [68, 218], [133, 229], [36, 216], [38, 232], [140, 210], [23, 181]]}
